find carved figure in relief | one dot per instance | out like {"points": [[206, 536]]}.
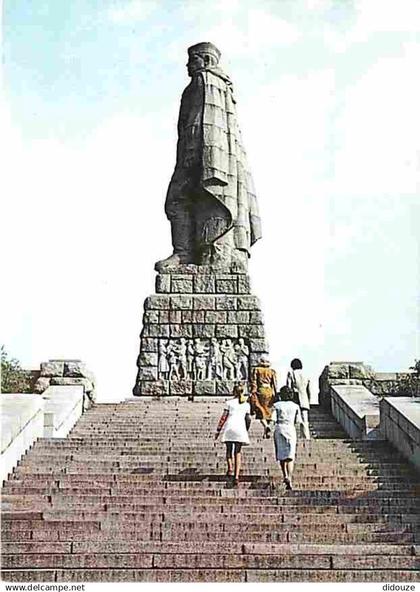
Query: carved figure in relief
{"points": [[203, 359], [211, 200], [228, 359], [200, 359], [190, 357], [163, 367], [172, 361], [242, 357], [215, 365], [182, 358]]}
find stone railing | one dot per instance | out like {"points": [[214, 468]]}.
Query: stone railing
{"points": [[400, 425], [357, 410], [22, 423], [64, 390], [381, 384]]}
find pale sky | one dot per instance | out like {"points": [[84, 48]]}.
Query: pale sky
{"points": [[328, 94]]}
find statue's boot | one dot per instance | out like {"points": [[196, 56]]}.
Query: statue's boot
{"points": [[182, 239]]}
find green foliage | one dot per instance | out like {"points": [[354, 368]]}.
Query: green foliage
{"points": [[409, 384], [13, 378]]}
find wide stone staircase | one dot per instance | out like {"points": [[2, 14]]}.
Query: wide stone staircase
{"points": [[137, 493]]}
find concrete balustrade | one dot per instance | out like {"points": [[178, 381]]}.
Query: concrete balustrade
{"points": [[64, 406], [357, 410], [22, 423], [400, 424], [27, 417]]}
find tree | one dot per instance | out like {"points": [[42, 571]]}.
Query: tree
{"points": [[13, 378], [409, 384]]}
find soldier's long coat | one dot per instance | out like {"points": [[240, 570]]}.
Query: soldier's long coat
{"points": [[209, 139]]}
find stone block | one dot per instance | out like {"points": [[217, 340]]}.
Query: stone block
{"points": [[244, 284], [181, 387], [164, 316], [227, 286], [256, 317], [198, 316], [157, 302], [204, 284], [181, 302], [153, 387], [204, 303], [163, 283], [216, 316], [338, 370], [258, 345], [52, 368], [182, 284], [69, 381], [255, 358], [41, 384], [148, 373], [248, 303], [147, 359], [149, 344], [238, 316], [181, 331], [225, 331], [251, 331], [359, 371], [157, 331], [150, 317], [204, 331], [226, 302], [224, 387], [77, 370], [176, 316], [205, 387]]}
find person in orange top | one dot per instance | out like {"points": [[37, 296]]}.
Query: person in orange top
{"points": [[263, 390]]}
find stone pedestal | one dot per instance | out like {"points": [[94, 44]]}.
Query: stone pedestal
{"points": [[202, 332]]}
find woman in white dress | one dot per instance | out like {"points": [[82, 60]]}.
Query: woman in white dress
{"points": [[286, 414], [235, 423]]}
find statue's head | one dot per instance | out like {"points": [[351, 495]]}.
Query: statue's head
{"points": [[202, 55]]}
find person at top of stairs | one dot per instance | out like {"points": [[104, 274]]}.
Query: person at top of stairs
{"points": [[287, 414], [234, 422], [263, 390], [301, 388]]}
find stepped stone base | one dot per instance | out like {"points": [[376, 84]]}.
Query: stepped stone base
{"points": [[197, 309]]}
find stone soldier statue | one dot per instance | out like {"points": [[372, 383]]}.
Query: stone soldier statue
{"points": [[211, 201]]}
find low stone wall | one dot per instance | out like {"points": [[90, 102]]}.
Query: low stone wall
{"points": [[357, 410], [27, 417], [22, 423], [65, 373], [400, 425], [381, 384], [64, 406]]}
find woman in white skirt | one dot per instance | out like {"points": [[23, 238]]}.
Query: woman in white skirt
{"points": [[286, 414], [235, 423]]}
